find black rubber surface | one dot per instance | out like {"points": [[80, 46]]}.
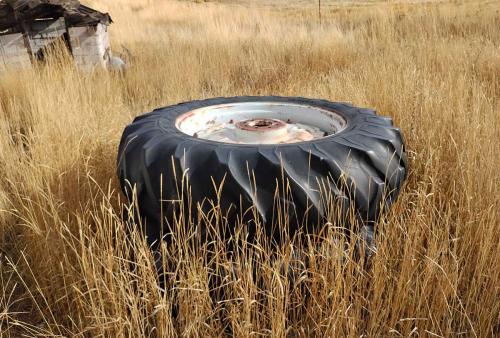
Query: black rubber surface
{"points": [[369, 154]]}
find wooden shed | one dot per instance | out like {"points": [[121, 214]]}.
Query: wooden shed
{"points": [[29, 27]]}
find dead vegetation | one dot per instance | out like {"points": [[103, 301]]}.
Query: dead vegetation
{"points": [[69, 268]]}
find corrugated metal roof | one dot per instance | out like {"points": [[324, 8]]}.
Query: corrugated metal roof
{"points": [[75, 13], [21, 5], [83, 16]]}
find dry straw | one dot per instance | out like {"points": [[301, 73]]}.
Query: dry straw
{"points": [[72, 266]]}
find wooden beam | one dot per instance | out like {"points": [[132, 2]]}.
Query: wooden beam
{"points": [[26, 38]]}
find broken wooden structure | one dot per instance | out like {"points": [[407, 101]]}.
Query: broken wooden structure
{"points": [[29, 27]]}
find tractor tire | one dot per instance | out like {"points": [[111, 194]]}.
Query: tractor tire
{"points": [[296, 142]]}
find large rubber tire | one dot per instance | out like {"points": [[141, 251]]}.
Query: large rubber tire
{"points": [[368, 153]]}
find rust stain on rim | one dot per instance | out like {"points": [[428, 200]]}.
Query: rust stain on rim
{"points": [[260, 125]]}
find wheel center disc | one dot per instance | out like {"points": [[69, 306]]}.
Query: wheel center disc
{"points": [[260, 123]]}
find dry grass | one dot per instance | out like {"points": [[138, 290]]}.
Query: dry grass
{"points": [[68, 267]]}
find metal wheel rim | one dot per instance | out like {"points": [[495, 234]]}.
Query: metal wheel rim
{"points": [[260, 123]]}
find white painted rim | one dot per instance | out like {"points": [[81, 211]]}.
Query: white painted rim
{"points": [[260, 123]]}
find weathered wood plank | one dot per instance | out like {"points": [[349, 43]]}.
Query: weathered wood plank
{"points": [[13, 53], [90, 46], [43, 33], [41, 25]]}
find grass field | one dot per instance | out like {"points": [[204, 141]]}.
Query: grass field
{"points": [[68, 267]]}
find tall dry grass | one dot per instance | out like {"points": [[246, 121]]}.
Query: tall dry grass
{"points": [[70, 266]]}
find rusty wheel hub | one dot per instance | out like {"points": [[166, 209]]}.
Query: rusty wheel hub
{"points": [[261, 125]]}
